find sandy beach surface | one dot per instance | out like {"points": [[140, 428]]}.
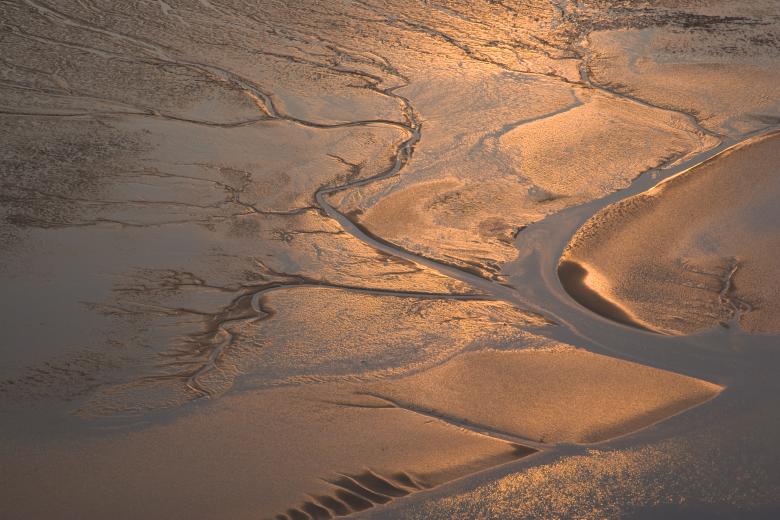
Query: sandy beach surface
{"points": [[389, 259]]}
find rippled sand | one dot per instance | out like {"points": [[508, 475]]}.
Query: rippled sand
{"points": [[300, 259]]}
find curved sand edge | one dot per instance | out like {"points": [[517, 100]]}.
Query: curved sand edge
{"points": [[573, 275], [689, 254], [545, 396]]}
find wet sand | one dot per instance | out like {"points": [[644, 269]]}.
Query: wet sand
{"points": [[551, 393], [336, 449], [296, 261], [695, 252], [573, 277], [234, 459]]}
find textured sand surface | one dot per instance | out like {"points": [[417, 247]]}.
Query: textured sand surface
{"points": [[527, 160], [346, 447], [298, 258], [699, 250], [551, 394], [252, 456], [729, 84]]}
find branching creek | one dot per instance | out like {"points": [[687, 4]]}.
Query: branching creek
{"points": [[534, 285], [743, 364]]}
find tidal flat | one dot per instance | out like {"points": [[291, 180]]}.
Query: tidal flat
{"points": [[398, 259]]}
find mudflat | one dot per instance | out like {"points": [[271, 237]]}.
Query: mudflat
{"points": [[695, 252], [440, 259]]}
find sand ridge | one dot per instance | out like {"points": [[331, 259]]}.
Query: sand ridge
{"points": [[697, 251]]}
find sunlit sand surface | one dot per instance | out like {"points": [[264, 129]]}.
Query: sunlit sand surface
{"points": [[345, 448], [724, 82], [530, 162], [288, 343], [551, 393], [399, 259], [615, 484], [252, 456], [697, 251]]}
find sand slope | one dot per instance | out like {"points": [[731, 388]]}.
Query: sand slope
{"points": [[696, 251], [553, 394]]}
